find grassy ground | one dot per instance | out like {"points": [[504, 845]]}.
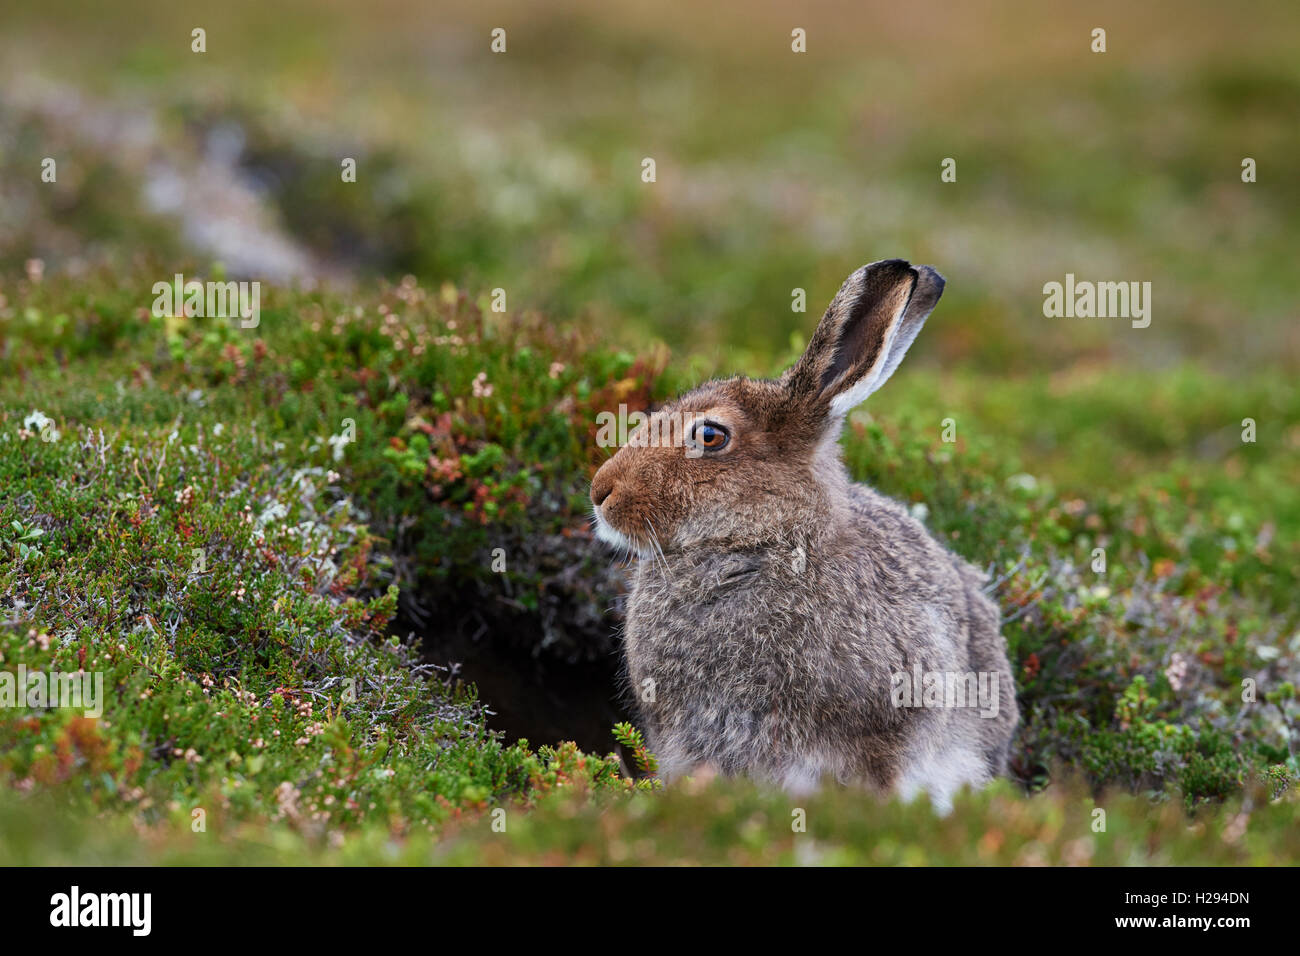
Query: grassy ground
{"points": [[183, 513]]}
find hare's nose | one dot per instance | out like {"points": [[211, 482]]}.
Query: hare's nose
{"points": [[602, 486]]}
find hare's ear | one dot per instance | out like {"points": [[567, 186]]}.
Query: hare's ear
{"points": [[864, 334]]}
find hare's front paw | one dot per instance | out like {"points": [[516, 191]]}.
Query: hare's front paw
{"points": [[699, 777], [803, 777]]}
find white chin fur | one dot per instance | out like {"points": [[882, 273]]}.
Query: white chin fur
{"points": [[617, 539]]}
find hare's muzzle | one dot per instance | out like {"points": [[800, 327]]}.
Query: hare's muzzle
{"points": [[602, 486]]}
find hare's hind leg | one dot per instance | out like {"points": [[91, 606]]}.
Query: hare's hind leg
{"points": [[999, 714], [941, 774]]}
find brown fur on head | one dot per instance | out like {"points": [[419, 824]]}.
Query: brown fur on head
{"points": [[776, 475]]}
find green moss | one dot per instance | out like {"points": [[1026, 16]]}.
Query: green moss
{"points": [[364, 456], [205, 534]]}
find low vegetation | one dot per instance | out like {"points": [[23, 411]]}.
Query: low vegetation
{"points": [[275, 542], [222, 521]]}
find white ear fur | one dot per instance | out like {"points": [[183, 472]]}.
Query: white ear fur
{"points": [[901, 332], [879, 372]]}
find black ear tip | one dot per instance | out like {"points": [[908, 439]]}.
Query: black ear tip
{"points": [[928, 281], [891, 268], [877, 278]]}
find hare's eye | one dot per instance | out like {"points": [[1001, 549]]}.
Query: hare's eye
{"points": [[709, 435]]}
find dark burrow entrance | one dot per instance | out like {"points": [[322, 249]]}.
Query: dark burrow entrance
{"points": [[541, 645], [541, 698], [544, 700]]}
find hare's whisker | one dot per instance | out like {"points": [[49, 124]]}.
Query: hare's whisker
{"points": [[657, 548]]}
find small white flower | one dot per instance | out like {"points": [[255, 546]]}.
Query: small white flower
{"points": [[40, 423], [1177, 671]]}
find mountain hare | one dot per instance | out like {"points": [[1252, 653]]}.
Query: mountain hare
{"points": [[784, 622]]}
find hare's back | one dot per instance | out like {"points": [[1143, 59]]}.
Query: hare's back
{"points": [[924, 577], [888, 533]]}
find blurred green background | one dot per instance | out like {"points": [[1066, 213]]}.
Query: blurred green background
{"points": [[775, 170]]}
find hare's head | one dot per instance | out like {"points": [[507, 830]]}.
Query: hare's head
{"points": [[742, 462]]}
